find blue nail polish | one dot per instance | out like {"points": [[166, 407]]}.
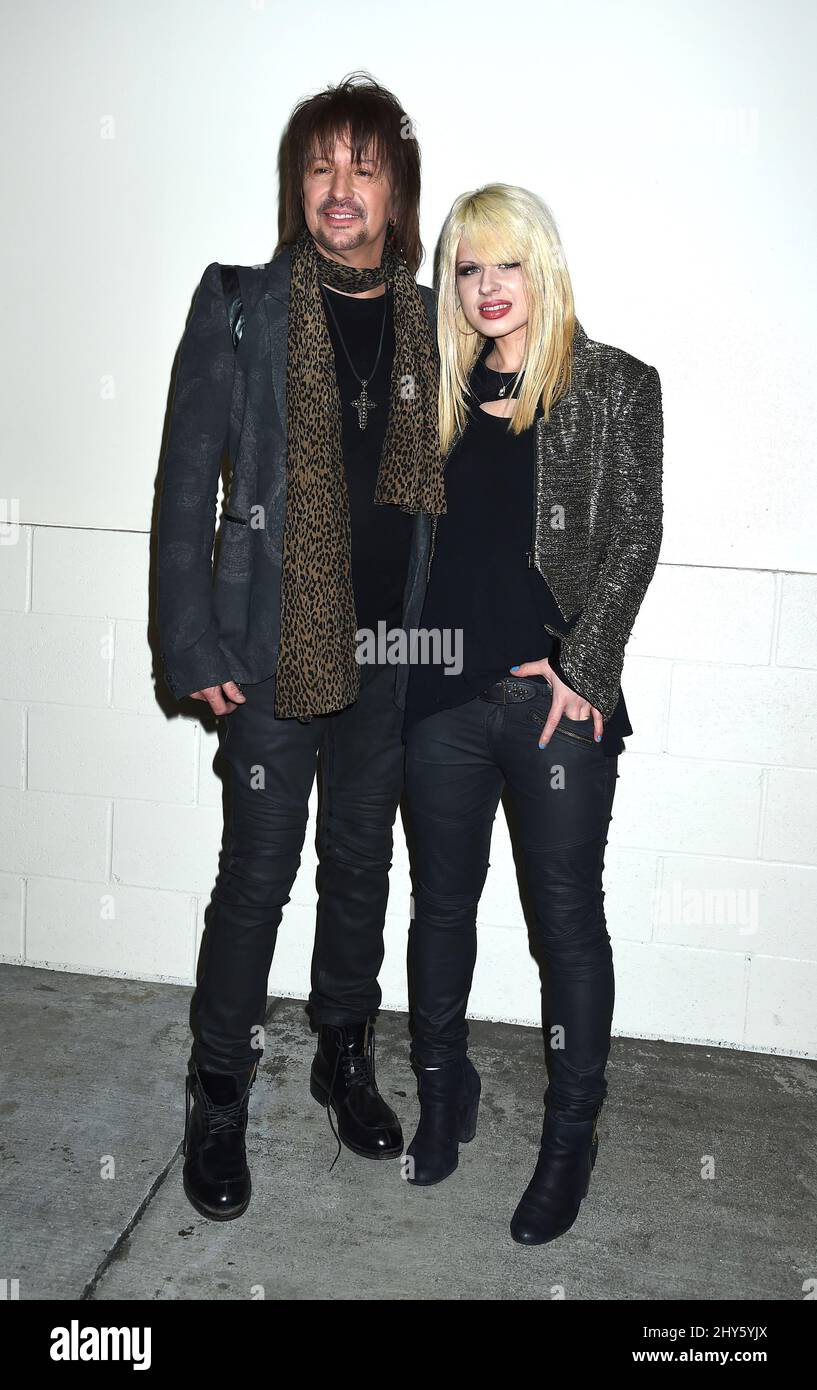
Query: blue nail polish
{"points": [[514, 668], [598, 738]]}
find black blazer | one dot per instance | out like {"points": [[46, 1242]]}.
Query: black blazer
{"points": [[225, 625]]}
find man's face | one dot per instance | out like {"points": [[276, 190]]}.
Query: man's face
{"points": [[347, 206]]}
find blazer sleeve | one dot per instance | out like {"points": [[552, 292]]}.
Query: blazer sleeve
{"points": [[198, 433], [590, 658]]}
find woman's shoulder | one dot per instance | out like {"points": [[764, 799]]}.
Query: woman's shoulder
{"points": [[616, 365]]}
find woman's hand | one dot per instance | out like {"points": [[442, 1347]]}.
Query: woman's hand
{"points": [[565, 701]]}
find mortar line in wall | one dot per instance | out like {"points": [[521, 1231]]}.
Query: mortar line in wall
{"points": [[667, 710], [657, 888], [720, 762], [24, 922], [662, 564], [24, 768], [706, 854], [29, 593], [111, 662], [761, 819], [60, 967], [109, 829], [144, 800], [673, 757], [106, 882], [670, 943], [196, 762], [738, 859], [707, 661], [153, 713], [747, 980], [776, 617], [194, 919]]}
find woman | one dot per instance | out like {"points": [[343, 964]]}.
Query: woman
{"points": [[551, 536]]}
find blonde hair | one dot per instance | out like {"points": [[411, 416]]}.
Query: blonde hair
{"points": [[505, 223]]}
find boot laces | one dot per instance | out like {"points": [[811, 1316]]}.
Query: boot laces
{"points": [[358, 1070], [217, 1118]]}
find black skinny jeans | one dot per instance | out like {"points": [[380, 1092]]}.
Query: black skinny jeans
{"points": [[561, 797], [270, 768]]}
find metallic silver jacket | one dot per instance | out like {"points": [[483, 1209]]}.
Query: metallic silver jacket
{"points": [[597, 524]]}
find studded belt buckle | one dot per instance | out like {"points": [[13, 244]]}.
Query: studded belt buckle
{"points": [[516, 692], [509, 691]]}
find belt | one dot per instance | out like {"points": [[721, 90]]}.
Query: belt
{"points": [[512, 690]]}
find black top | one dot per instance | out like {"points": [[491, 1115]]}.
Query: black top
{"points": [[481, 581], [381, 534]]}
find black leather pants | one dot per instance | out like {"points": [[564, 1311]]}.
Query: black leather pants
{"points": [[561, 801], [269, 767]]}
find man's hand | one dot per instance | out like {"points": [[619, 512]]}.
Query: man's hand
{"points": [[222, 699], [565, 701]]}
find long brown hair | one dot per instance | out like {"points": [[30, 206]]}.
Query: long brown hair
{"points": [[377, 127]]}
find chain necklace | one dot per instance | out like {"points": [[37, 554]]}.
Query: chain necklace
{"points": [[363, 404], [503, 388]]}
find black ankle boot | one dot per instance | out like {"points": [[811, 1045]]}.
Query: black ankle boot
{"points": [[215, 1175], [550, 1203], [449, 1102], [343, 1077]]}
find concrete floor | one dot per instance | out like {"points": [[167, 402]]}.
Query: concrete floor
{"points": [[92, 1084]]}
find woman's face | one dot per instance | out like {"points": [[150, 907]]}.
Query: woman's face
{"points": [[492, 296]]}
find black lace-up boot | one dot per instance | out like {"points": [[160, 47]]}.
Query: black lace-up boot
{"points": [[343, 1078], [215, 1175], [550, 1203], [449, 1102]]}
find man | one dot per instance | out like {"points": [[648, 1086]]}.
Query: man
{"points": [[318, 372]]}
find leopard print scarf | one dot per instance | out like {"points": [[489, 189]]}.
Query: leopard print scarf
{"points": [[317, 670]]}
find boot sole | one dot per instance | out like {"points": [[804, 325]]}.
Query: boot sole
{"points": [[318, 1094], [434, 1182], [212, 1213]]}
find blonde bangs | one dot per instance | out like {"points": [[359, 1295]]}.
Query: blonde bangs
{"points": [[505, 223]]}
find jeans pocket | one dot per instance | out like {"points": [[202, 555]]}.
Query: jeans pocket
{"points": [[579, 729]]}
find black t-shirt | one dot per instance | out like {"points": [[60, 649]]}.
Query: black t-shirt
{"points": [[481, 580], [381, 533]]}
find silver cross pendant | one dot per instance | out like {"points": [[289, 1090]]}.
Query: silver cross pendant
{"points": [[363, 405]]}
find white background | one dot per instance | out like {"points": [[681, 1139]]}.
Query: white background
{"points": [[675, 145]]}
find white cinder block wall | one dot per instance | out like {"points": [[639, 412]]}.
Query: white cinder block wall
{"points": [[110, 813], [674, 146]]}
